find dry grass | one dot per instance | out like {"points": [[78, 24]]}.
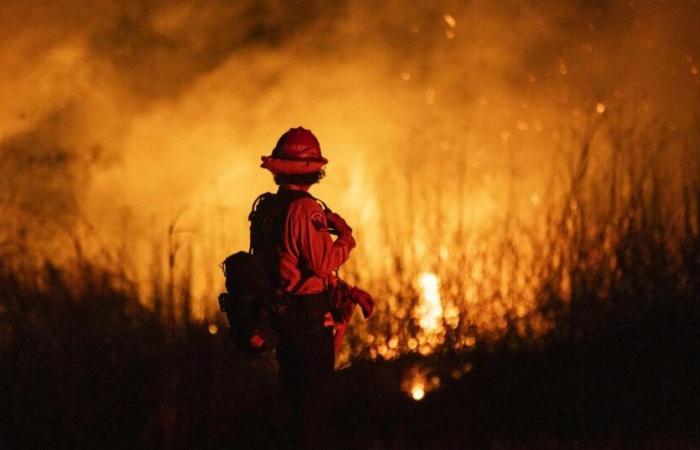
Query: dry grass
{"points": [[606, 273]]}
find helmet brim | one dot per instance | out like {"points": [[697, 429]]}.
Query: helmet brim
{"points": [[292, 166]]}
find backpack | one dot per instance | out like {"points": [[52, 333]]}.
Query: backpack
{"points": [[252, 298], [247, 303]]}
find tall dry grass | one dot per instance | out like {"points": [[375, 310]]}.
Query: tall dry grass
{"points": [[607, 272], [613, 239]]}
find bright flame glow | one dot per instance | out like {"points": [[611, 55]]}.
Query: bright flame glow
{"points": [[179, 121], [418, 382], [417, 392], [432, 304]]}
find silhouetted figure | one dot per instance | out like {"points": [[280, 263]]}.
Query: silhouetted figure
{"points": [[290, 230]]}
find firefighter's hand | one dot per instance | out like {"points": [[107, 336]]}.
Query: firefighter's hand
{"points": [[337, 222], [364, 299]]}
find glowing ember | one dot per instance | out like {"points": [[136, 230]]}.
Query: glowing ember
{"points": [[213, 329], [449, 20], [600, 108], [393, 342], [417, 392], [418, 382], [562, 68]]}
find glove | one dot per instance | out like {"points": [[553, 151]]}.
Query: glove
{"points": [[343, 312], [363, 299], [342, 304], [338, 223]]}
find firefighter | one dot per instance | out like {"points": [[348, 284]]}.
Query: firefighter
{"points": [[292, 231]]}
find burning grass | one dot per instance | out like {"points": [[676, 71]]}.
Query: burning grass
{"points": [[616, 233], [607, 262]]}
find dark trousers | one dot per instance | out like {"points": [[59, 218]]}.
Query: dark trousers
{"points": [[306, 359]]}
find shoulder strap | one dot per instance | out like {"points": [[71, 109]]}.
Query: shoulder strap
{"points": [[270, 207], [257, 201], [323, 204], [251, 214], [267, 221]]}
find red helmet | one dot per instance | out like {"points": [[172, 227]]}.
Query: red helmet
{"points": [[297, 151]]}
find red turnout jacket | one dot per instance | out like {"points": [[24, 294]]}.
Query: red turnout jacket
{"points": [[308, 244]]}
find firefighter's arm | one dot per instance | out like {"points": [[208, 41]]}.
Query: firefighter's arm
{"points": [[309, 224]]}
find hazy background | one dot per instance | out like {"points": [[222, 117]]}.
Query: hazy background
{"points": [[119, 119]]}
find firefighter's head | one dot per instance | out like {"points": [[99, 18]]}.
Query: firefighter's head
{"points": [[296, 159]]}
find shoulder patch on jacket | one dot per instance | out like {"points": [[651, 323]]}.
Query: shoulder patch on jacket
{"points": [[318, 219]]}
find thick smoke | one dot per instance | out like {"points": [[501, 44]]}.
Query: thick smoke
{"points": [[127, 116]]}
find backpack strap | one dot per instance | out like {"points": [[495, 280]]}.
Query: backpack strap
{"points": [[253, 209], [264, 229], [292, 196], [322, 203]]}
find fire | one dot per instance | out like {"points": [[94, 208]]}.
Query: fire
{"points": [[431, 309], [439, 147], [418, 381], [417, 392]]}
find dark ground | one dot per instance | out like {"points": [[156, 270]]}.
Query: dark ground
{"points": [[115, 378]]}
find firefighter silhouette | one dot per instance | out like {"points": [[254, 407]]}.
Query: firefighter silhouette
{"points": [[291, 230]]}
